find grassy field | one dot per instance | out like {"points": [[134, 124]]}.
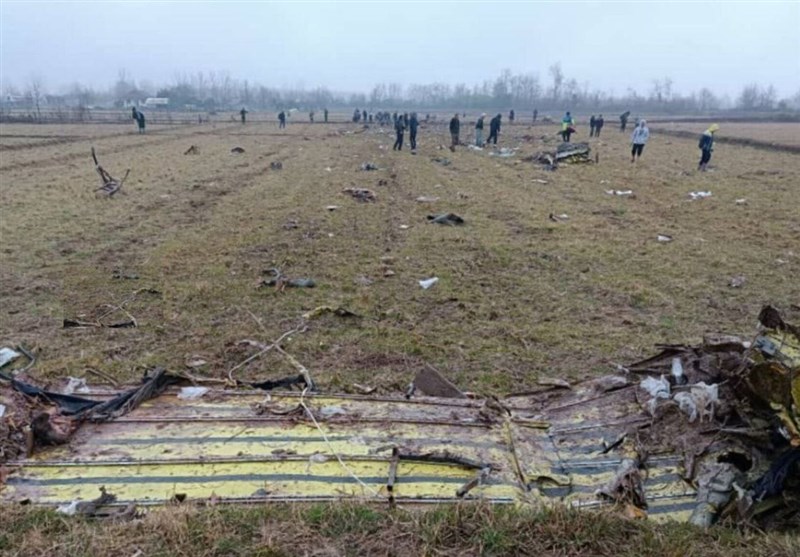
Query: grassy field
{"points": [[781, 134], [520, 296]]}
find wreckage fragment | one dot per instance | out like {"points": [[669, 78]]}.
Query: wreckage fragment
{"points": [[109, 185]]}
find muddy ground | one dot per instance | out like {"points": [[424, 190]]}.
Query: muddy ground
{"points": [[520, 295]]}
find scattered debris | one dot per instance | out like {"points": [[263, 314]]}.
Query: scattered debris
{"points": [[237, 150], [433, 383], [623, 193], [118, 274], [450, 219], [699, 194], [276, 165], [442, 160], [427, 283], [192, 150], [504, 152], [280, 282], [737, 282], [110, 185], [664, 238], [361, 194], [363, 281], [331, 207], [75, 385], [383, 182], [540, 181], [192, 393], [426, 199], [7, 355], [367, 166], [558, 218], [291, 224]]}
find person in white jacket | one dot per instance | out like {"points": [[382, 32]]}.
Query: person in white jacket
{"points": [[639, 139]]}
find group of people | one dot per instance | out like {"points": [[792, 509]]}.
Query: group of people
{"points": [[596, 125], [401, 123], [494, 129]]}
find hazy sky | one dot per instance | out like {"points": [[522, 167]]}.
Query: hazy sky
{"points": [[352, 46]]}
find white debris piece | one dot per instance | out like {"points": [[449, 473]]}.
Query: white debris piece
{"points": [[68, 509], [2, 410], [75, 385], [699, 194], [677, 371], [7, 356], [741, 201], [658, 389], [427, 283], [664, 238], [192, 393], [426, 199], [623, 193]]}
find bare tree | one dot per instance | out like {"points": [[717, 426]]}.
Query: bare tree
{"points": [[36, 92], [558, 80]]}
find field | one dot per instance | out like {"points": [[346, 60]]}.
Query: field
{"points": [[785, 134], [520, 295]]}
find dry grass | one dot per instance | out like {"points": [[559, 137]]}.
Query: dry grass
{"points": [[347, 529], [519, 295], [782, 134]]}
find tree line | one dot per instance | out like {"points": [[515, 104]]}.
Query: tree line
{"points": [[211, 91]]}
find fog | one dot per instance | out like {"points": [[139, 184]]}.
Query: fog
{"points": [[352, 46]]}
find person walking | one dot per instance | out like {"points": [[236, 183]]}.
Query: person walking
{"points": [[494, 129], [325, 114], [399, 128], [623, 120], [639, 139], [455, 128], [413, 124], [243, 114], [479, 131], [706, 146], [281, 120], [567, 127], [598, 125]]}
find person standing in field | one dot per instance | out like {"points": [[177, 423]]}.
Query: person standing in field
{"points": [[511, 116], [311, 116], [598, 125], [479, 131], [567, 129], [133, 113], [494, 129], [592, 123], [535, 114], [243, 114], [706, 146], [623, 120], [140, 120], [325, 114], [281, 120], [399, 128], [455, 128], [639, 139], [413, 124]]}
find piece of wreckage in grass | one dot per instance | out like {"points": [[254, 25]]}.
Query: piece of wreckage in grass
{"points": [[109, 185], [696, 433], [565, 153]]}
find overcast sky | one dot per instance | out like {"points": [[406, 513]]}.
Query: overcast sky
{"points": [[352, 46]]}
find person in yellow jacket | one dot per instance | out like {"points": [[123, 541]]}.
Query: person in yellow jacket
{"points": [[567, 127]]}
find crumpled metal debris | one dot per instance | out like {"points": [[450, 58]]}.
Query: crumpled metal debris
{"points": [[450, 219]]}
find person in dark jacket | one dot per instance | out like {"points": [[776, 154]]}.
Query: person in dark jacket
{"points": [[511, 116], [479, 131], [706, 146], [325, 114], [281, 119], [133, 113], [598, 125], [494, 129], [413, 124], [455, 127], [140, 120], [243, 114], [623, 120], [399, 128], [364, 115], [592, 124], [535, 114]]}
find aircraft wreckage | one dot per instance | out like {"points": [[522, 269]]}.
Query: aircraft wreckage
{"points": [[695, 433]]}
